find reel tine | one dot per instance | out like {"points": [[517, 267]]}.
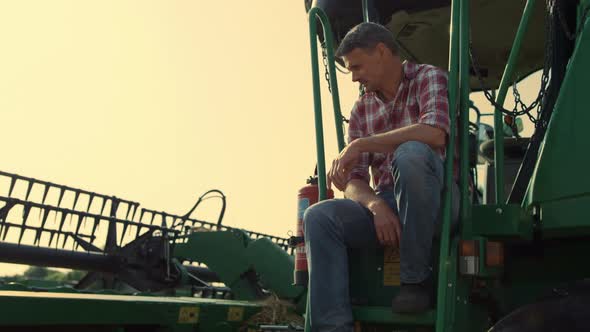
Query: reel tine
{"points": [[78, 224], [5, 232], [64, 216], [4, 213], [128, 211], [62, 191], [135, 206], [51, 235], [90, 199], [96, 221], [39, 230], [125, 227], [26, 213], [29, 189], [12, 183], [45, 192], [76, 196], [104, 203]]}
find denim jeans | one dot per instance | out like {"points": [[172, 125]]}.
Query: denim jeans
{"points": [[333, 226]]}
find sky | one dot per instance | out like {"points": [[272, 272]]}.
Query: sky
{"points": [[160, 101]]}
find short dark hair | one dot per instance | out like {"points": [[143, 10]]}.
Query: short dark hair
{"points": [[366, 36]]}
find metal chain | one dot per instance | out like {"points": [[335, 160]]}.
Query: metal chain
{"points": [[327, 72], [325, 62], [536, 104]]}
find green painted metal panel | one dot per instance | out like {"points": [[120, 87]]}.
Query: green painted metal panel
{"points": [[223, 252], [384, 316], [560, 185], [564, 218], [562, 167], [231, 253], [502, 221], [64, 309], [274, 267], [367, 278]]}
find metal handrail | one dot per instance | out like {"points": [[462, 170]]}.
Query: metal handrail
{"points": [[441, 309], [316, 14], [498, 118]]}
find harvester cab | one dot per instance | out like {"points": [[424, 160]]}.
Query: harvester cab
{"points": [[523, 224]]}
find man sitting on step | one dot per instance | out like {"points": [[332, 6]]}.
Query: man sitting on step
{"points": [[399, 129]]}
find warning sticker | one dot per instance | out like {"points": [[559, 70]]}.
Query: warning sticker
{"points": [[391, 268], [188, 315], [235, 314], [302, 205]]}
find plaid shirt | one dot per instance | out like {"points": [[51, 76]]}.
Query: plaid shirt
{"points": [[421, 98]]}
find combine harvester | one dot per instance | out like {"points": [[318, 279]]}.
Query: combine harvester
{"points": [[517, 263]]}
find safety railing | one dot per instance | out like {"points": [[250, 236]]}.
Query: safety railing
{"points": [[507, 79], [454, 104], [317, 14]]}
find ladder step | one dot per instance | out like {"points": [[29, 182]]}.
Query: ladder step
{"points": [[384, 315]]}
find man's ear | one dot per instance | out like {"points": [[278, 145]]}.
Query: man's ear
{"points": [[381, 48]]}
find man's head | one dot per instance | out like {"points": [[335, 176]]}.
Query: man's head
{"points": [[369, 51]]}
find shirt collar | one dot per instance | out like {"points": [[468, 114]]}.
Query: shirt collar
{"points": [[410, 69]]}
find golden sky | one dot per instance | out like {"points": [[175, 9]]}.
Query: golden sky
{"points": [[159, 101]]}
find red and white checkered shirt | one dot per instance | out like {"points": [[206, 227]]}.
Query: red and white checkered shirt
{"points": [[421, 98]]}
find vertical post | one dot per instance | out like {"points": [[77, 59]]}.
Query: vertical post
{"points": [[329, 41], [498, 119], [365, 11], [317, 103], [314, 15], [446, 227], [464, 84], [111, 242]]}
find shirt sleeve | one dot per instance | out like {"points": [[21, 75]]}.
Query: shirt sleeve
{"points": [[357, 129], [433, 99]]}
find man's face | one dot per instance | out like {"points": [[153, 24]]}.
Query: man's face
{"points": [[365, 67]]}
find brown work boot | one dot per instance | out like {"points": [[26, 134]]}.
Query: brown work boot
{"points": [[413, 298]]}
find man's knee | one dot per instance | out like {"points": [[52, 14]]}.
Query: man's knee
{"points": [[317, 216], [411, 156], [412, 151]]}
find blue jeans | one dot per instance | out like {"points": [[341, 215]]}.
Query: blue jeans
{"points": [[334, 225]]}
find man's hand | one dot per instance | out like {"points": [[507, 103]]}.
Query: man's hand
{"points": [[336, 178], [348, 158], [341, 166], [387, 224]]}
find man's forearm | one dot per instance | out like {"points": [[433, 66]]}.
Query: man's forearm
{"points": [[389, 141], [360, 191]]}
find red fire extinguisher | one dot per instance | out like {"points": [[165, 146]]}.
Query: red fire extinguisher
{"points": [[307, 196]]}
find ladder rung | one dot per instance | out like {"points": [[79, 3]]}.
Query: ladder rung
{"points": [[384, 315]]}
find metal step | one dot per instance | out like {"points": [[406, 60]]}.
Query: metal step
{"points": [[384, 315]]}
